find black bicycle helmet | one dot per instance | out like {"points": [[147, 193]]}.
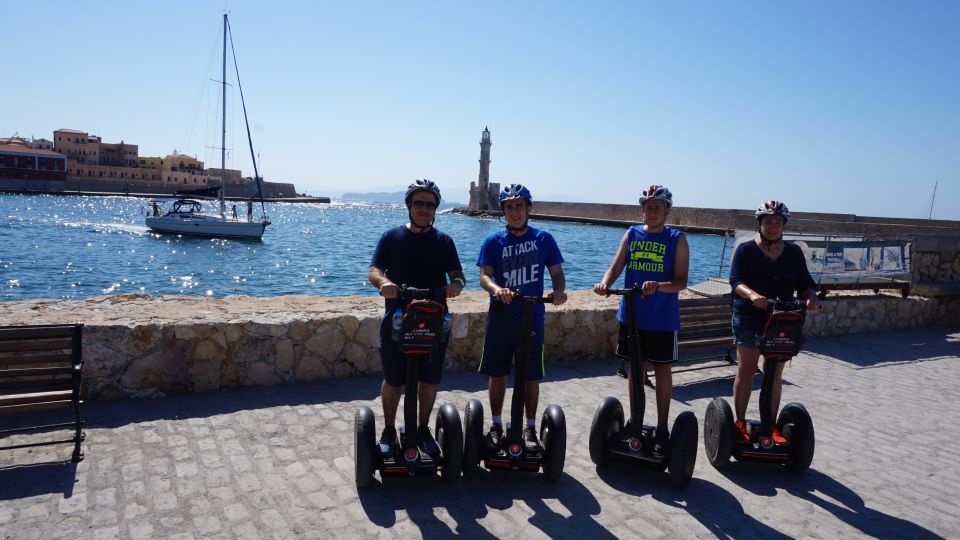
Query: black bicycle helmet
{"points": [[422, 185], [773, 208]]}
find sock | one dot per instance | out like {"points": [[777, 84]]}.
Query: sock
{"points": [[497, 420], [532, 422]]}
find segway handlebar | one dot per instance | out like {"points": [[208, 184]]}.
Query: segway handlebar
{"points": [[412, 293], [624, 292], [786, 305], [527, 299]]}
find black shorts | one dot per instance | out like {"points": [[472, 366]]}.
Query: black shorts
{"points": [[500, 345], [656, 346], [395, 362]]}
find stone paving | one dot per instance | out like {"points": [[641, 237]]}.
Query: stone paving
{"points": [[277, 462]]}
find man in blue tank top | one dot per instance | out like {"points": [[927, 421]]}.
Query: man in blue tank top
{"points": [[420, 256], [656, 258], [515, 259]]}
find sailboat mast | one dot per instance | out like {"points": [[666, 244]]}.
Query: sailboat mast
{"points": [[930, 214], [223, 119]]}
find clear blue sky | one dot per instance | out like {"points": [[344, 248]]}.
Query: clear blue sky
{"points": [[849, 106]]}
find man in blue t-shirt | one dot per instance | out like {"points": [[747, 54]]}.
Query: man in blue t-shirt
{"points": [[511, 260], [419, 256], [656, 258]]}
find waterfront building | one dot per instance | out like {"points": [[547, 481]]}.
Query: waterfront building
{"points": [[23, 162], [484, 195]]}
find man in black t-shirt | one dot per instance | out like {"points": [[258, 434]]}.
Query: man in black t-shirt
{"points": [[416, 255]]}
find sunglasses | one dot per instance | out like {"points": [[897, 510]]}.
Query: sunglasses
{"points": [[429, 205]]}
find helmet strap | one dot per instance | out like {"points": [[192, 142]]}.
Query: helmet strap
{"points": [[413, 224], [766, 241]]}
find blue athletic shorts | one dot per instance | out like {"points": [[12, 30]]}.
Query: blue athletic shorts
{"points": [[395, 362], [658, 347], [500, 343], [745, 329]]}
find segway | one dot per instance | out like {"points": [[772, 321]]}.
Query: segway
{"points": [[418, 329], [512, 455], [780, 340], [610, 441]]}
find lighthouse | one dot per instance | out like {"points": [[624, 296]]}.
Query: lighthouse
{"points": [[483, 194]]}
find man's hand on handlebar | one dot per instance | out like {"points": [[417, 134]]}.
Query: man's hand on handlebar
{"points": [[504, 295], [559, 297], [814, 303], [760, 302], [602, 289], [389, 290], [649, 287]]}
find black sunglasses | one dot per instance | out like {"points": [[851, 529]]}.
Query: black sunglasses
{"points": [[424, 204]]}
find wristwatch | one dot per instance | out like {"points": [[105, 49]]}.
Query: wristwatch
{"points": [[460, 281]]}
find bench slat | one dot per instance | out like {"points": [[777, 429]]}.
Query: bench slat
{"points": [[45, 406], [35, 397], [37, 359], [37, 332], [42, 372], [36, 345], [706, 342]]}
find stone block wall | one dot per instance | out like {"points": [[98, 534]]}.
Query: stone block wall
{"points": [[142, 346]]}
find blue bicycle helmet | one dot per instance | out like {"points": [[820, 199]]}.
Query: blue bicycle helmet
{"points": [[515, 191], [657, 192], [422, 185]]}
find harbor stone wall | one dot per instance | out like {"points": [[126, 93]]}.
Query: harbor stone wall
{"points": [[143, 346]]}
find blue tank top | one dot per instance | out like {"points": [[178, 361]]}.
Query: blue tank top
{"points": [[650, 258]]}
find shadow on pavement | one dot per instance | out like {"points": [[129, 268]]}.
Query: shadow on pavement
{"points": [[21, 481], [827, 493], [475, 499], [716, 509], [888, 348]]}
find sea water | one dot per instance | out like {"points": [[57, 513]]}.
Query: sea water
{"points": [[74, 247]]}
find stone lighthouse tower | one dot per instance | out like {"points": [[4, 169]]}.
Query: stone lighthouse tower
{"points": [[483, 194]]}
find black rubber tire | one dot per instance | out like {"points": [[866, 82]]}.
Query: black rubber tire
{"points": [[472, 437], [450, 438], [553, 437], [364, 443], [797, 427], [607, 423], [683, 448], [718, 432]]}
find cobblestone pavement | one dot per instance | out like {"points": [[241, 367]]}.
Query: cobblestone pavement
{"points": [[277, 462]]}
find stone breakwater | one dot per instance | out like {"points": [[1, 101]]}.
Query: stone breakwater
{"points": [[142, 346]]}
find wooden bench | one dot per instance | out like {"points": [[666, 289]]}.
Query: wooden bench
{"points": [[704, 329], [40, 369]]}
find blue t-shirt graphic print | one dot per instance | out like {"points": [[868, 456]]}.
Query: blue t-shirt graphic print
{"points": [[519, 263]]}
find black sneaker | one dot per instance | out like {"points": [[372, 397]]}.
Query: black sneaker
{"points": [[388, 440], [426, 441], [661, 442], [495, 436], [530, 439]]}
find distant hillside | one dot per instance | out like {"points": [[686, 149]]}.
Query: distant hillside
{"points": [[388, 197]]}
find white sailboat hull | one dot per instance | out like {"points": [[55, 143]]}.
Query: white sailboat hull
{"points": [[207, 225]]}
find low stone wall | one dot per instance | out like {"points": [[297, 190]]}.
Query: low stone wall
{"points": [[140, 346]]}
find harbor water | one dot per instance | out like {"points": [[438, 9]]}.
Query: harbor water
{"points": [[73, 247]]}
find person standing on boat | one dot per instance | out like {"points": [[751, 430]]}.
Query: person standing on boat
{"points": [[657, 259], [516, 259], [420, 256], [250, 209], [767, 267], [235, 212]]}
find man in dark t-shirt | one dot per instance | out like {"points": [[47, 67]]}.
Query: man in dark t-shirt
{"points": [[416, 255]]}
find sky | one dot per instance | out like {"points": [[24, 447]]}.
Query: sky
{"points": [[847, 107]]}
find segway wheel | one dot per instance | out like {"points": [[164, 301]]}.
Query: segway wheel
{"points": [[718, 432], [450, 438], [795, 424], [553, 437], [683, 448], [607, 422], [364, 444], [472, 437]]}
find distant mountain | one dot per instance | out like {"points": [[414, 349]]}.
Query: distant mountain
{"points": [[389, 197]]}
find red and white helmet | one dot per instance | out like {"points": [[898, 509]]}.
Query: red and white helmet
{"points": [[773, 208], [657, 192]]}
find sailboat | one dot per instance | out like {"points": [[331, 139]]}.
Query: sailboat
{"points": [[185, 216]]}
